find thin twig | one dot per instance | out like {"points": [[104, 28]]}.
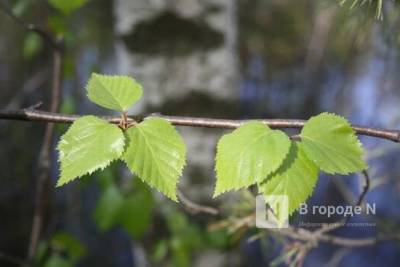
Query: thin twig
{"points": [[332, 226], [194, 207], [32, 84], [43, 116], [312, 238], [30, 27], [44, 163], [365, 188], [355, 242]]}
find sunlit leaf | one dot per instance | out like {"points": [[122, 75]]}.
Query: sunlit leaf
{"points": [[296, 179], [248, 155], [88, 145], [114, 92], [156, 153], [332, 144]]}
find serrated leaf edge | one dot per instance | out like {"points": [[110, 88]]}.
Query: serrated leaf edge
{"points": [[356, 141], [236, 188], [94, 74], [100, 167], [180, 170], [308, 195]]}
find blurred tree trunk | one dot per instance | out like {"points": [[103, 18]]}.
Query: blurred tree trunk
{"points": [[183, 53]]}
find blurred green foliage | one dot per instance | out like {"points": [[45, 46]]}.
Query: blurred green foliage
{"points": [[130, 204], [66, 7], [32, 45], [185, 238], [130, 207], [61, 250]]}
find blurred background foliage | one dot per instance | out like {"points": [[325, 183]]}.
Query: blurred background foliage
{"points": [[296, 58]]}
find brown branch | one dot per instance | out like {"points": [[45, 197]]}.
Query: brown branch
{"points": [[315, 237], [42, 116], [365, 189], [55, 44], [351, 242], [194, 207], [311, 238], [44, 162]]}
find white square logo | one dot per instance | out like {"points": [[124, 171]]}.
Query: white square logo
{"points": [[266, 218]]}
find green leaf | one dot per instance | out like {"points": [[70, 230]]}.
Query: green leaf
{"points": [[88, 145], [296, 179], [114, 92], [248, 155], [108, 207], [156, 153], [332, 144], [67, 6]]}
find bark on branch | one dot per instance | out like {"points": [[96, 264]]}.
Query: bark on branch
{"points": [[30, 114]]}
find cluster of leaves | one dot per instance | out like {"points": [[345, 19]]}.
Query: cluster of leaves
{"points": [[253, 154], [152, 149]]}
